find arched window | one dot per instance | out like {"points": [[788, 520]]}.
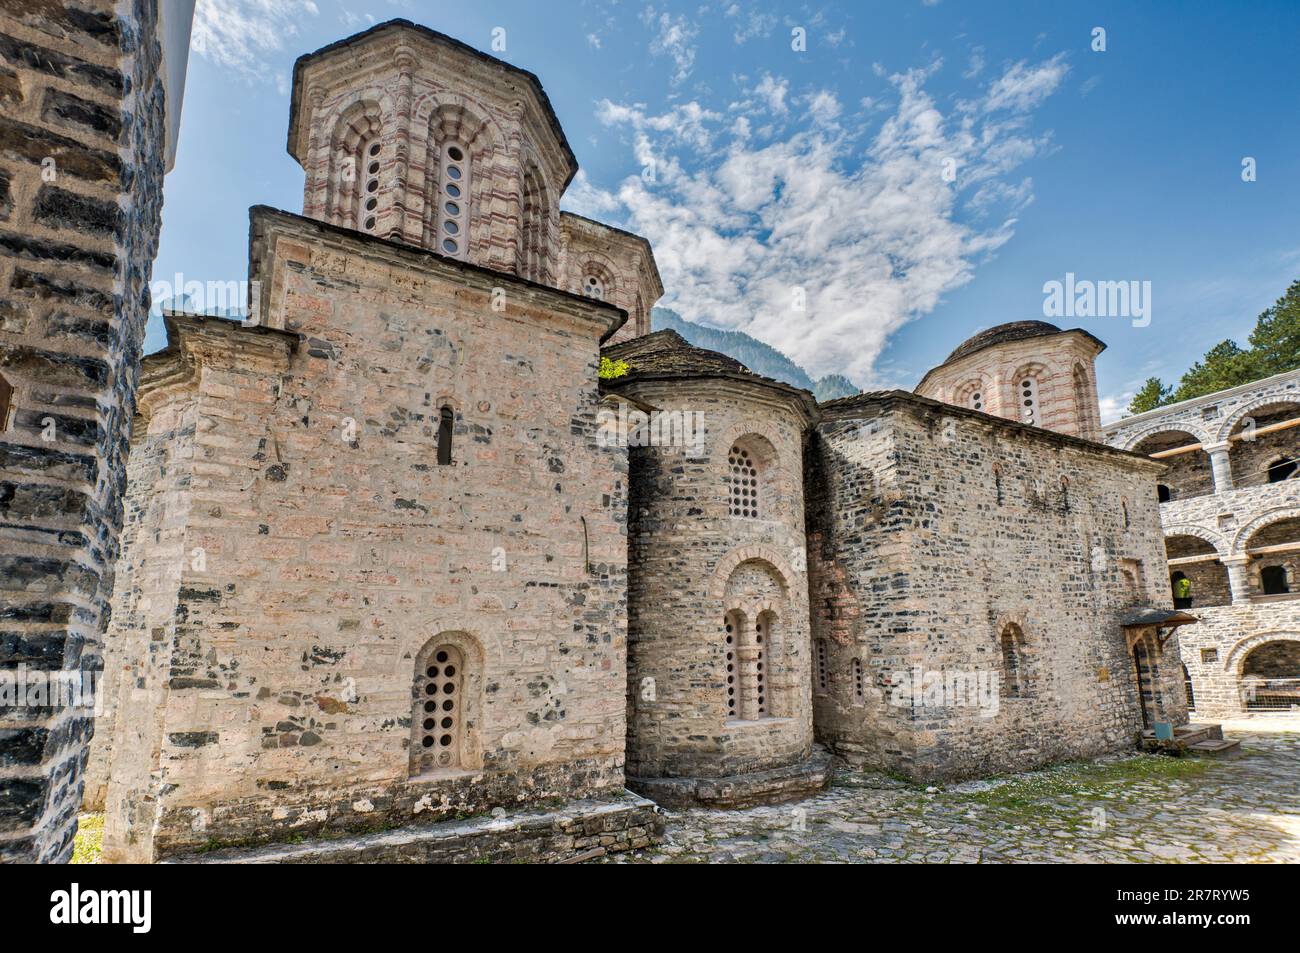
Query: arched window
{"points": [[1163, 493], [1273, 580], [1027, 399], [438, 717], [743, 492], [356, 158], [1123, 502], [446, 423], [733, 625], [593, 287], [451, 203], [1012, 643], [6, 402], [859, 686], [1281, 469], [371, 156]]}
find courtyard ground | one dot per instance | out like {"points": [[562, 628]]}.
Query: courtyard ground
{"points": [[1134, 809]]}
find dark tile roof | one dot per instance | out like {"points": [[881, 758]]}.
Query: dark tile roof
{"points": [[666, 354], [1012, 331]]}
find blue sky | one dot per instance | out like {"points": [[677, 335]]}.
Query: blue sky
{"points": [[916, 173]]}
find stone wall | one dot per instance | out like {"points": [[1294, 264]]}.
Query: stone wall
{"points": [[337, 550], [693, 562], [81, 166], [936, 530]]}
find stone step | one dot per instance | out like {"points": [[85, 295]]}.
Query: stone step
{"points": [[1215, 748], [571, 833]]}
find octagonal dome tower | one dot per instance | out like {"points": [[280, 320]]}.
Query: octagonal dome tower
{"points": [[1029, 371]]}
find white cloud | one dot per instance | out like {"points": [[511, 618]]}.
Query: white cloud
{"points": [[1114, 406], [874, 240], [239, 34], [1022, 88], [754, 24], [593, 39], [773, 90], [673, 38], [976, 63], [823, 107]]}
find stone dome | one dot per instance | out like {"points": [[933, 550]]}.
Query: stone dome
{"points": [[1011, 331]]}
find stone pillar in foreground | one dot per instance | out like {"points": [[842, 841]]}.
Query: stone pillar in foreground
{"points": [[83, 149]]}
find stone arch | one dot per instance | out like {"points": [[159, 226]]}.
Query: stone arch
{"points": [[538, 222], [357, 124], [1043, 385], [448, 117], [756, 650], [1169, 426], [962, 392], [594, 263], [466, 713], [1255, 404], [753, 552], [1259, 522], [1232, 664], [1200, 532]]}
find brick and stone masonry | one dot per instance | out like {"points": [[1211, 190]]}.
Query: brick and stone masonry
{"points": [[945, 543], [82, 153]]}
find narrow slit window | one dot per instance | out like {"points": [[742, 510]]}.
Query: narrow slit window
{"points": [[445, 426]]}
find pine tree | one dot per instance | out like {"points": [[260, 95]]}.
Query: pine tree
{"points": [[1276, 338], [1150, 395], [1224, 365]]}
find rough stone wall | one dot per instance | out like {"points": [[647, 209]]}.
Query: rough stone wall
{"points": [[947, 526], [337, 549], [997, 371], [153, 558], [692, 562], [81, 168]]}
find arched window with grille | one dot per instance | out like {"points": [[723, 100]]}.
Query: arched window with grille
{"points": [[1027, 399], [371, 156], [438, 718], [450, 213], [733, 632], [357, 155]]}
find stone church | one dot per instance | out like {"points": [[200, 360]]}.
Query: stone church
{"points": [[389, 589]]}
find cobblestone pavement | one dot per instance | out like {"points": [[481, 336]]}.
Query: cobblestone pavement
{"points": [[1138, 809]]}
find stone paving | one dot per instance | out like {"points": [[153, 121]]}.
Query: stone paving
{"points": [[1131, 809]]}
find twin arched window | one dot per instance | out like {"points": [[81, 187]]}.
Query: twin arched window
{"points": [[745, 654]]}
